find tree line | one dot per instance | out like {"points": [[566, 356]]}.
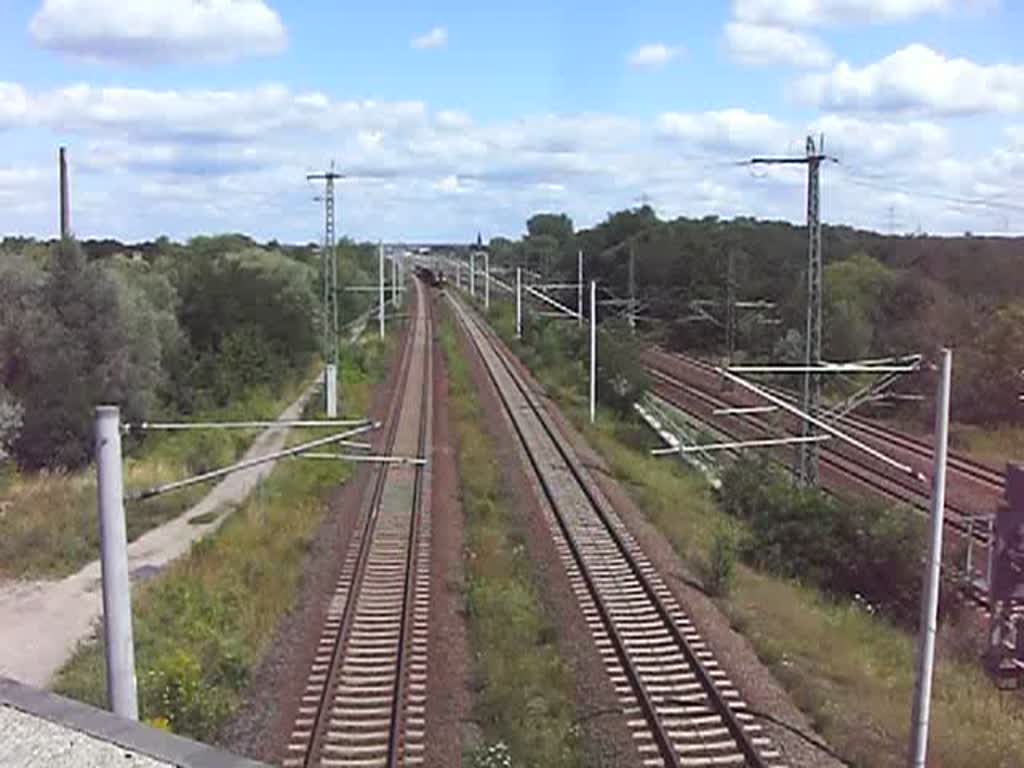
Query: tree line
{"points": [[883, 295], [159, 328]]}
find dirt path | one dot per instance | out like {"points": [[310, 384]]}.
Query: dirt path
{"points": [[41, 622]]}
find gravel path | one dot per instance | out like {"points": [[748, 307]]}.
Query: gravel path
{"points": [[41, 622]]}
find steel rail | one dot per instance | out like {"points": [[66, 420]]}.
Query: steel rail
{"points": [[717, 702], [405, 640], [312, 755]]}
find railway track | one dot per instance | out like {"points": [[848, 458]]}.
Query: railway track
{"points": [[678, 703], [973, 489], [873, 432], [364, 700]]}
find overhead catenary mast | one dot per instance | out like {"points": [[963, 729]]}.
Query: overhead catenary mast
{"points": [[329, 263], [808, 464]]}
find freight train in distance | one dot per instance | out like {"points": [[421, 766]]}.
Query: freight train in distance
{"points": [[434, 277]]}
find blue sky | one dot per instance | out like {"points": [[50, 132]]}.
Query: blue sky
{"points": [[189, 116]]}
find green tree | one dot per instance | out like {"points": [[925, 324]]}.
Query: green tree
{"points": [[855, 291]]}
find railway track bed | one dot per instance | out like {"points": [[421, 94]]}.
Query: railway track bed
{"points": [[364, 702], [677, 701]]}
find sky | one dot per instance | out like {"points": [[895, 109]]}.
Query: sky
{"points": [[450, 118]]}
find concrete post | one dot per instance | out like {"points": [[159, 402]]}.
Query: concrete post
{"points": [[394, 282], [472, 275], [930, 600], [579, 288], [380, 281], [65, 202], [593, 350], [487, 281], [331, 390], [519, 303], [122, 697]]}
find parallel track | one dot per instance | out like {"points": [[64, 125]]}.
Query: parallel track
{"points": [[844, 466], [680, 706], [364, 702]]}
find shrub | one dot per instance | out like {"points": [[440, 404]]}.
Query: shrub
{"points": [[854, 548], [722, 561]]}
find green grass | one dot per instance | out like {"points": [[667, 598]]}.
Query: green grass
{"points": [[524, 700], [995, 445], [850, 671], [203, 624], [48, 519]]}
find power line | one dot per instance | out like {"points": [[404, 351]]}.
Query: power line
{"points": [[869, 182]]}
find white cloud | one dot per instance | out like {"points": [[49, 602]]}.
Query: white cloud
{"points": [[435, 38], [726, 130], [799, 13], [449, 185], [653, 55], [236, 160], [917, 79], [143, 31], [760, 44], [906, 144]]}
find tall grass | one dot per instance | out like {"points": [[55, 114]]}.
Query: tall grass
{"points": [[996, 445], [48, 523], [524, 699]]}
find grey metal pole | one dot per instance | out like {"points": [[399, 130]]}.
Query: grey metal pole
{"points": [[394, 282], [487, 281], [380, 280], [930, 602], [519, 302], [472, 274], [331, 386], [579, 288], [122, 696], [593, 350], [632, 287]]}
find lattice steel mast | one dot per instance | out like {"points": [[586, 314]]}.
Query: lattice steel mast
{"points": [[808, 464], [329, 265]]}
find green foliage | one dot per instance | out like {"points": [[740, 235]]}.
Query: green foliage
{"points": [[249, 318], [75, 334], [852, 548], [171, 328], [495, 755], [722, 557], [857, 290]]}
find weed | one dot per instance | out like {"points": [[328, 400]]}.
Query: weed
{"points": [[722, 561]]}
